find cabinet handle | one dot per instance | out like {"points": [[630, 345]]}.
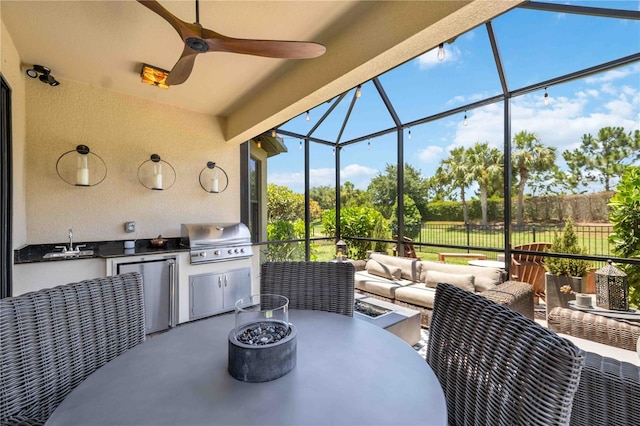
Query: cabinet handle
{"points": [[225, 281], [172, 294], [219, 282]]}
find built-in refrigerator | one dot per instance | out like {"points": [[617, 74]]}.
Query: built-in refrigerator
{"points": [[160, 293]]}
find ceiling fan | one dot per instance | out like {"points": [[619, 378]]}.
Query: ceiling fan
{"points": [[201, 40]]}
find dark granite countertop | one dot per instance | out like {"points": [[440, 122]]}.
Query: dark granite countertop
{"points": [[101, 249]]}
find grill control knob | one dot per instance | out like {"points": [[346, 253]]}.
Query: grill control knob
{"points": [[216, 252], [236, 251], [202, 254], [241, 250], [230, 251]]}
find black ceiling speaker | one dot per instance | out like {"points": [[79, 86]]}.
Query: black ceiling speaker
{"points": [[45, 75]]}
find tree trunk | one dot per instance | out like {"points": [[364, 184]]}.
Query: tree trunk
{"points": [[483, 204], [520, 210], [465, 208]]}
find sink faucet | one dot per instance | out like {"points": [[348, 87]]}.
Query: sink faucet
{"points": [[71, 250]]}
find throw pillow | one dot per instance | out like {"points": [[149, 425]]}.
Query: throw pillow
{"points": [[483, 283], [382, 270], [464, 281]]}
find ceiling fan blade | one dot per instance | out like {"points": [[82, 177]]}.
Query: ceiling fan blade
{"points": [[183, 28], [182, 69], [268, 48]]}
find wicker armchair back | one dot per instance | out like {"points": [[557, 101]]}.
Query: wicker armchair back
{"points": [[608, 331], [52, 339], [321, 286], [496, 366]]}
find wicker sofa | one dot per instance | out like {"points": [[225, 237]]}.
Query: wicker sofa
{"points": [[411, 283], [609, 389]]}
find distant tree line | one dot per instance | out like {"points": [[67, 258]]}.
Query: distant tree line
{"points": [[470, 179]]}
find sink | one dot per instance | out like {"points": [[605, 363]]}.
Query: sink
{"points": [[65, 254]]}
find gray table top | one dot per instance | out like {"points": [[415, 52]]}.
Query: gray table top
{"points": [[348, 372]]}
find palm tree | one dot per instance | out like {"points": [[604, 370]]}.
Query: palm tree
{"points": [[529, 156], [454, 172], [485, 166]]}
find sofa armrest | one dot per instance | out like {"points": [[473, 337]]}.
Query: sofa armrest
{"points": [[597, 328], [514, 294], [359, 265]]}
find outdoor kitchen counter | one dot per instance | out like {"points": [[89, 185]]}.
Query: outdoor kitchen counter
{"points": [[34, 253], [348, 372]]}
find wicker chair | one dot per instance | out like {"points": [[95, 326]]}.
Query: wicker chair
{"points": [[322, 286], [608, 393], [597, 328], [52, 339], [497, 367], [609, 390]]}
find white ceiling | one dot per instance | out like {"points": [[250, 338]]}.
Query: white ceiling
{"points": [[104, 43]]}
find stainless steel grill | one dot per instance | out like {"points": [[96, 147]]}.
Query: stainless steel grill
{"points": [[214, 242]]}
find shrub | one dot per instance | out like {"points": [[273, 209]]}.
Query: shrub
{"points": [[624, 214], [279, 230], [412, 219], [363, 222], [567, 243]]}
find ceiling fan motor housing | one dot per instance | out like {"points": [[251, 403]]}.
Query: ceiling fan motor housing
{"points": [[197, 44]]}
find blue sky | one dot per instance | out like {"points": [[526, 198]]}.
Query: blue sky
{"points": [[535, 46]]}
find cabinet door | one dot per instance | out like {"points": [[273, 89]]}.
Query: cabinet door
{"points": [[206, 294], [237, 284]]}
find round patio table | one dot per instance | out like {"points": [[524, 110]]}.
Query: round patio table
{"points": [[348, 372]]}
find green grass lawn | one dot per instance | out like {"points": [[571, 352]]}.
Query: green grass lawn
{"points": [[594, 239]]}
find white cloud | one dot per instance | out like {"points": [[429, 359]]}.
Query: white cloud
{"points": [[614, 74], [430, 59], [320, 177], [357, 174], [430, 154], [286, 179], [560, 124], [356, 171]]}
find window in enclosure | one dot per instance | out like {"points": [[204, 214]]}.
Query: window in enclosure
{"points": [[322, 201], [426, 86], [285, 202], [570, 153], [540, 45], [368, 185], [456, 163]]}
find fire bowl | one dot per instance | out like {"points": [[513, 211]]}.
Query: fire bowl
{"points": [[268, 356]]}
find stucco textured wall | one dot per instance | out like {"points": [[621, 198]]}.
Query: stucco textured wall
{"points": [[124, 131]]}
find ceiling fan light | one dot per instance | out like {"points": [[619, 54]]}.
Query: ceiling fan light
{"points": [[154, 76]]}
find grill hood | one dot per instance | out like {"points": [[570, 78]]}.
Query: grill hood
{"points": [[200, 235]]}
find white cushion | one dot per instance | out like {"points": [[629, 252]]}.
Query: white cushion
{"points": [[463, 281], [382, 270], [410, 268], [377, 285], [416, 294]]}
